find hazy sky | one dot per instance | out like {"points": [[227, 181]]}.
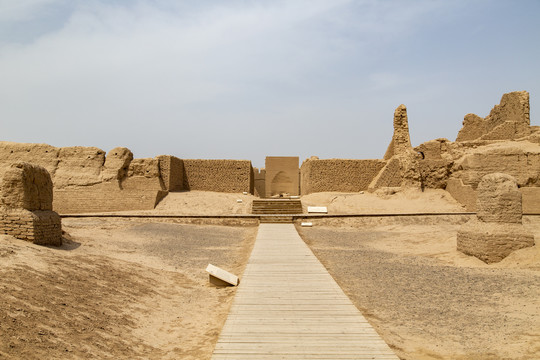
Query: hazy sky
{"points": [[243, 79]]}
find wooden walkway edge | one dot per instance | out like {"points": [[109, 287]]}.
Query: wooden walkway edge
{"points": [[289, 307]]}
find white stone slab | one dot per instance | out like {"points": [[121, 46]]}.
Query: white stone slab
{"points": [[239, 200], [245, 193], [307, 224], [317, 209], [294, 197], [221, 274]]}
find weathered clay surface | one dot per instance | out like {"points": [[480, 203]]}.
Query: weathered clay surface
{"points": [[27, 195], [116, 164], [497, 230], [391, 175], [338, 175], [507, 121], [259, 178], [27, 186], [79, 166], [39, 154], [282, 175], [401, 141], [492, 242], [499, 199], [520, 160], [473, 128], [233, 176], [171, 170]]}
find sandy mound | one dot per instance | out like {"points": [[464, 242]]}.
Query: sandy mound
{"points": [[385, 201], [200, 203], [121, 289]]}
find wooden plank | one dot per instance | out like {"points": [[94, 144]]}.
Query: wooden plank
{"points": [[217, 274], [289, 307], [317, 209]]}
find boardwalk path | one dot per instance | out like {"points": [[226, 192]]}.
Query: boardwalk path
{"points": [[289, 307]]}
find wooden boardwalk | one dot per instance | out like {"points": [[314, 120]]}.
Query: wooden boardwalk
{"points": [[289, 307]]}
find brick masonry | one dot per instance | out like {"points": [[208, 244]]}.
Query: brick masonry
{"points": [[233, 176], [338, 175], [26, 202]]}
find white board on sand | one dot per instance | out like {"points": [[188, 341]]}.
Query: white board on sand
{"points": [[317, 209], [307, 224], [221, 277]]}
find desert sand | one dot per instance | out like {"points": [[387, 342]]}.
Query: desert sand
{"points": [[119, 289], [427, 300], [136, 288]]}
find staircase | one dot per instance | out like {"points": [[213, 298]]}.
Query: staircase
{"points": [[276, 211]]}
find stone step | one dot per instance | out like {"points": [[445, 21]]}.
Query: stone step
{"points": [[277, 211], [276, 219], [276, 206]]}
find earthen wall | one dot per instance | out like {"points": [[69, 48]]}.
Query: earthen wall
{"points": [[259, 177], [338, 175], [233, 176], [26, 203], [282, 175], [522, 166], [88, 200], [172, 172]]}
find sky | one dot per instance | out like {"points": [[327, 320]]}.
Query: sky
{"points": [[246, 79]]}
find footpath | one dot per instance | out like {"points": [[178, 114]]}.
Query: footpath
{"points": [[287, 306]]}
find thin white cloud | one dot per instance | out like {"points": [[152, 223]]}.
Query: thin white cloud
{"points": [[19, 10], [119, 73]]}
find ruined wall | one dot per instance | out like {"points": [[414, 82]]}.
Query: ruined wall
{"points": [[234, 176], [391, 175], [338, 175], [259, 178], [116, 164], [100, 199], [497, 231], [85, 180], [507, 121], [464, 194], [172, 172], [282, 175], [401, 141], [521, 162], [78, 166], [26, 204]]}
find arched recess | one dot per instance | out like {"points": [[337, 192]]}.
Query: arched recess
{"points": [[281, 183]]}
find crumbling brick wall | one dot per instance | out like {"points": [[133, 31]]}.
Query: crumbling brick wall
{"points": [[338, 175], [507, 121], [172, 172], [497, 231], [259, 178], [26, 205], [231, 176], [103, 198], [520, 164]]}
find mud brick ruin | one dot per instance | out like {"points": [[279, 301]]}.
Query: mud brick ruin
{"points": [[498, 229], [26, 205], [86, 180]]}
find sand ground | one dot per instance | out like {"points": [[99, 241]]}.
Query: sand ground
{"points": [[429, 301], [119, 289], [136, 289]]}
